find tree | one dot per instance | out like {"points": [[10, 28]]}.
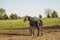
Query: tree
{"points": [[0, 17], [5, 16], [2, 11], [40, 16], [48, 12], [54, 14], [13, 16], [19, 17], [48, 16]]}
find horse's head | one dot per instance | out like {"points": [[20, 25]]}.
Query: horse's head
{"points": [[25, 19], [29, 18]]}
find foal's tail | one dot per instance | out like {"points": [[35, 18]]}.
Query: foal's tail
{"points": [[41, 22]]}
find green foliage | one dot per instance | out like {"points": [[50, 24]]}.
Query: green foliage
{"points": [[54, 14], [40, 16], [5, 16], [0, 17], [13, 16], [2, 11], [48, 16], [19, 17], [48, 12]]}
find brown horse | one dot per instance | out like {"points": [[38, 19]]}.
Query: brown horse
{"points": [[34, 24]]}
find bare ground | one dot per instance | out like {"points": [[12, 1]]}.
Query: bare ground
{"points": [[49, 33]]}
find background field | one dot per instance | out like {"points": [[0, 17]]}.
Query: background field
{"points": [[8, 24], [17, 33]]}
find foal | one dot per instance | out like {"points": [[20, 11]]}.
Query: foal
{"points": [[34, 24]]}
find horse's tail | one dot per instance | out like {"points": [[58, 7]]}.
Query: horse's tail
{"points": [[41, 22]]}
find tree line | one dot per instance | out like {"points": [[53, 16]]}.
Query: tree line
{"points": [[48, 12]]}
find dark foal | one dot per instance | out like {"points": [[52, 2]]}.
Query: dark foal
{"points": [[34, 24]]}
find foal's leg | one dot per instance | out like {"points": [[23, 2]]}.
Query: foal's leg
{"points": [[30, 30], [33, 30], [38, 31], [41, 32]]}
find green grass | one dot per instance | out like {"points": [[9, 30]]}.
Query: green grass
{"points": [[13, 24], [50, 21], [20, 24]]}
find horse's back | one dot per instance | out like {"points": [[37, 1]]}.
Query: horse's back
{"points": [[38, 23]]}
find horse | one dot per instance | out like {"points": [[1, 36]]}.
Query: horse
{"points": [[34, 24]]}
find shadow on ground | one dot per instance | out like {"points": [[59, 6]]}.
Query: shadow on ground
{"points": [[44, 27], [52, 27]]}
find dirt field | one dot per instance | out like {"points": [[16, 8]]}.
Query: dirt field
{"points": [[23, 34]]}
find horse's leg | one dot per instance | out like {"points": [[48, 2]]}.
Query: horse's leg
{"points": [[33, 28], [30, 30], [41, 32], [38, 31]]}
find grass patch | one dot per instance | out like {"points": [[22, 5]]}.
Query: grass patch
{"points": [[50, 21], [20, 24]]}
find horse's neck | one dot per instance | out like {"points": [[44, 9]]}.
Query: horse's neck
{"points": [[30, 19]]}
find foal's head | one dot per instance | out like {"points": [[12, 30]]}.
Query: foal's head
{"points": [[27, 18]]}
